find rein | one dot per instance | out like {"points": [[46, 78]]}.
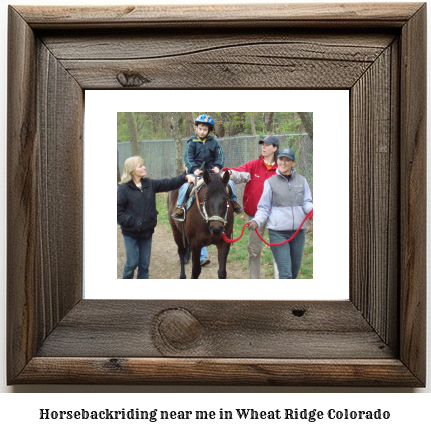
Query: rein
{"points": [[308, 216]]}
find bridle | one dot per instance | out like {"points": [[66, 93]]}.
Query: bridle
{"points": [[204, 213]]}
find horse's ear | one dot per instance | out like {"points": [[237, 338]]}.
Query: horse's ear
{"points": [[207, 178], [226, 177]]}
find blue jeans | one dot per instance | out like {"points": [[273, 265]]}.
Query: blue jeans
{"points": [[232, 186], [182, 194], [138, 253], [183, 189], [288, 256], [204, 253]]}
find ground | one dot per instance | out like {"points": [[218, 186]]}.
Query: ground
{"points": [[165, 262]]}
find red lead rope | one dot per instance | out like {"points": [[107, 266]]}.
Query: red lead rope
{"points": [[308, 216]]}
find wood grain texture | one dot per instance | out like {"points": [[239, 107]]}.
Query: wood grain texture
{"points": [[347, 45], [224, 60], [287, 15], [234, 329], [413, 193], [59, 182], [374, 196], [21, 196], [197, 371], [45, 106], [376, 338]]}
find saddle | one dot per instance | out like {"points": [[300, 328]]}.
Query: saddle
{"points": [[190, 194], [191, 197]]}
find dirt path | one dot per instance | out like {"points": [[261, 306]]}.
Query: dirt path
{"points": [[165, 261]]}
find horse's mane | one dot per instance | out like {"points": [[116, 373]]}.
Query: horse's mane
{"points": [[216, 186]]}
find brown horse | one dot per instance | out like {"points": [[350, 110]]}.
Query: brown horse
{"points": [[205, 223]]}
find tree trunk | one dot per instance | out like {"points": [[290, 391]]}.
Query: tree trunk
{"points": [[307, 121], [219, 128], [190, 124], [306, 150], [176, 121], [267, 120], [229, 123], [132, 133], [253, 124], [118, 168]]}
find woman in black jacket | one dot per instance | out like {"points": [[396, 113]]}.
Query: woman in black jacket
{"points": [[137, 213]]}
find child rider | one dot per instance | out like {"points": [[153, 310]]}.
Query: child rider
{"points": [[203, 152]]}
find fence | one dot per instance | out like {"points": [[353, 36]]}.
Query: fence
{"points": [[159, 155]]}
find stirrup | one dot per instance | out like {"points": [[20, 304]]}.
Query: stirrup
{"points": [[237, 208], [178, 217]]}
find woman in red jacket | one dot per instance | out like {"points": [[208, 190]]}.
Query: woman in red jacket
{"points": [[254, 173]]}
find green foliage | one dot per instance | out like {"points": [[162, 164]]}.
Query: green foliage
{"points": [[162, 208], [306, 271], [238, 250], [292, 124], [157, 125], [122, 130], [283, 123]]}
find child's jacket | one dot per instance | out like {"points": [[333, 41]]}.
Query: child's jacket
{"points": [[197, 152]]}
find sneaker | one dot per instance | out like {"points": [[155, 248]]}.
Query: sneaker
{"points": [[205, 261], [237, 208], [178, 214]]}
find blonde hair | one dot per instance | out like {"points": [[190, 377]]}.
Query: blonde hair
{"points": [[130, 165]]}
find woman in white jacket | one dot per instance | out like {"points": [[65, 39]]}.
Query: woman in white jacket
{"points": [[285, 201]]}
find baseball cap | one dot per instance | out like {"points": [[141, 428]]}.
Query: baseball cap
{"points": [[286, 152], [271, 139]]}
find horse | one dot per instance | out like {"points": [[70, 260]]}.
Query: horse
{"points": [[205, 226]]}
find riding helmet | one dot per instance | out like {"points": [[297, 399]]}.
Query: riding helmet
{"points": [[205, 119]]}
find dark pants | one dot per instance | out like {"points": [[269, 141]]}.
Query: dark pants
{"points": [[138, 253], [288, 256]]}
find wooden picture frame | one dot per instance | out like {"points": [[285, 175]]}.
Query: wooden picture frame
{"points": [[376, 338]]}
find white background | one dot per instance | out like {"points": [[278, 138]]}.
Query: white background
{"points": [[21, 410], [330, 194]]}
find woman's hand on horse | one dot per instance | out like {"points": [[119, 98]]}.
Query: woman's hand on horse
{"points": [[197, 172], [252, 226], [190, 178], [216, 170]]}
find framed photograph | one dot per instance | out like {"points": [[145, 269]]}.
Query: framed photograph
{"points": [[104, 107], [376, 337]]}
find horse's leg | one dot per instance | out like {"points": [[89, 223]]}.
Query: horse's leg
{"points": [[196, 260], [182, 253], [178, 237], [223, 251], [176, 231]]}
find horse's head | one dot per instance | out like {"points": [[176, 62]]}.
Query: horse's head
{"points": [[216, 202]]}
